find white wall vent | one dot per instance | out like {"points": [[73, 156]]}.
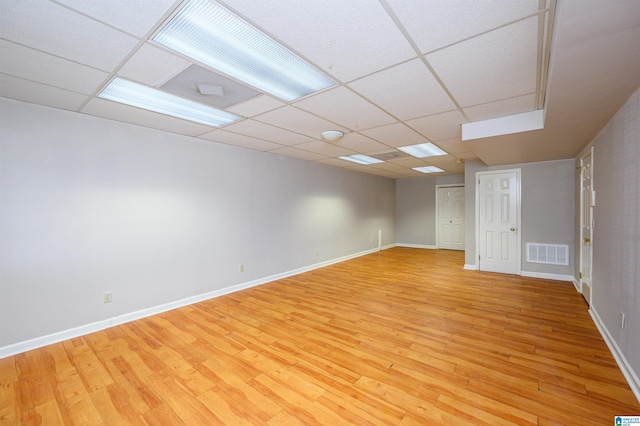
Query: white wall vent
{"points": [[553, 254]]}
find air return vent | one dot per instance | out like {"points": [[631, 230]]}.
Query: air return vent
{"points": [[552, 254]]}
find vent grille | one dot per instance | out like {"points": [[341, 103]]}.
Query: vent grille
{"points": [[552, 254]]}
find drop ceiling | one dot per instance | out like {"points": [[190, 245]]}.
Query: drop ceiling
{"points": [[406, 72]]}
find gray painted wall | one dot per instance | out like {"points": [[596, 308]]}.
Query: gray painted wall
{"points": [[547, 209], [90, 205], [616, 238], [416, 208]]}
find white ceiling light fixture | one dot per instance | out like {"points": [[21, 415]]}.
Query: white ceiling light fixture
{"points": [[208, 33], [145, 97], [361, 159], [331, 135], [428, 169], [423, 150]]}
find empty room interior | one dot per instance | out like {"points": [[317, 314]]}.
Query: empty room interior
{"points": [[372, 212]]}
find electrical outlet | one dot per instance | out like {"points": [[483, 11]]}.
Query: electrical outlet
{"points": [[242, 267], [621, 320], [107, 297]]}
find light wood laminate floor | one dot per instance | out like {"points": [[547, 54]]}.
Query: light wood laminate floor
{"points": [[399, 337]]}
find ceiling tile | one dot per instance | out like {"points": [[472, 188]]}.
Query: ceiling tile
{"points": [[446, 162], [440, 126], [497, 65], [299, 121], [502, 108], [260, 130], [128, 114], [40, 67], [453, 146], [359, 143], [409, 162], [136, 17], [50, 27], [346, 108], [440, 23], [324, 148], [407, 91], [153, 66], [298, 153], [255, 106], [395, 135], [36, 93], [342, 37], [242, 141]]}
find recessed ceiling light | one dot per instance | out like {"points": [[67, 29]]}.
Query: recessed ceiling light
{"points": [[361, 159], [212, 35], [331, 135], [428, 169], [145, 97], [423, 150]]}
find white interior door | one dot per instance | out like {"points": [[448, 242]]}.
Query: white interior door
{"points": [[498, 204], [587, 202], [451, 217]]}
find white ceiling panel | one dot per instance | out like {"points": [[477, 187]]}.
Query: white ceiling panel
{"points": [[342, 37], [242, 141], [395, 135], [264, 131], [343, 106], [40, 67], [407, 91], [37, 93], [502, 108], [62, 32], [324, 148], [128, 114], [440, 126], [299, 121], [255, 106], [497, 65], [359, 143], [153, 66], [453, 146], [136, 17], [298, 153], [409, 162], [436, 24]]}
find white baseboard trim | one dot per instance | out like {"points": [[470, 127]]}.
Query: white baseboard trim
{"points": [[38, 342], [547, 276], [627, 370], [578, 285], [420, 246], [469, 267]]}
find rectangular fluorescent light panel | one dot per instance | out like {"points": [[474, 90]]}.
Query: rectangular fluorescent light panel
{"points": [[423, 150], [428, 169], [145, 97], [212, 35], [361, 159]]}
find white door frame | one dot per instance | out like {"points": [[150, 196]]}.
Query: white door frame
{"points": [[450, 185], [588, 153], [518, 216]]}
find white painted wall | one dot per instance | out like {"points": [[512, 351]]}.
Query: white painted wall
{"points": [[89, 205], [616, 239]]}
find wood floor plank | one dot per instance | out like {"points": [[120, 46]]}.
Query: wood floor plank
{"points": [[398, 337]]}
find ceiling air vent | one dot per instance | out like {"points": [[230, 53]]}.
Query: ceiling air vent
{"points": [[391, 155]]}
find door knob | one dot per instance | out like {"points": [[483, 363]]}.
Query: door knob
{"points": [[513, 229], [586, 240]]}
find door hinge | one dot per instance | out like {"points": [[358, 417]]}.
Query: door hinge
{"points": [[579, 169], [580, 275], [478, 257]]}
